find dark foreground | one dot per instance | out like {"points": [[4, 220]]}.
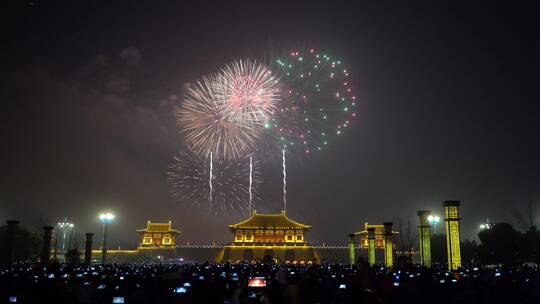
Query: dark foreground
{"points": [[228, 283]]}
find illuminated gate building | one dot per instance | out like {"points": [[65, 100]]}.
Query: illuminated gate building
{"points": [[157, 236], [269, 236]]}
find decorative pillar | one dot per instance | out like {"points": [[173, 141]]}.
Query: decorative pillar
{"points": [[46, 244], [352, 257], [88, 249], [424, 234], [451, 212], [10, 245], [388, 245], [371, 246]]}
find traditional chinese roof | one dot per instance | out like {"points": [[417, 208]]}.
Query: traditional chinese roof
{"points": [[159, 227], [379, 229], [269, 221]]}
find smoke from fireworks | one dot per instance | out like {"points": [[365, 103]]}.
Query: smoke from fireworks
{"points": [[188, 177]]}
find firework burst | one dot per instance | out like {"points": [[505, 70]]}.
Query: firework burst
{"points": [[250, 91], [224, 114], [319, 103]]}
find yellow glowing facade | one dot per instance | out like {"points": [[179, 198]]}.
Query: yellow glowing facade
{"points": [[424, 233], [451, 211], [157, 236], [388, 245]]}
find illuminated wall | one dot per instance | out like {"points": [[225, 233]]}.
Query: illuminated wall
{"points": [[371, 246], [388, 245], [424, 237], [451, 211], [285, 253]]}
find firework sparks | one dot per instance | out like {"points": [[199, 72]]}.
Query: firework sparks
{"points": [[210, 177], [284, 182], [250, 184], [189, 183], [319, 103], [250, 90]]}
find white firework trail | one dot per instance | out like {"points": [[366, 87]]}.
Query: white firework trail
{"points": [[284, 182], [210, 182], [250, 183]]}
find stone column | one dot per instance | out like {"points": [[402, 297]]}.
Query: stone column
{"points": [[46, 244], [352, 256], [388, 245], [371, 246], [88, 249]]}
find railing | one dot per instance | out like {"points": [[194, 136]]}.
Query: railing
{"points": [[270, 244], [199, 246]]}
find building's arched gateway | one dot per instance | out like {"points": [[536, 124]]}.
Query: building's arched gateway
{"points": [[289, 255], [269, 252]]}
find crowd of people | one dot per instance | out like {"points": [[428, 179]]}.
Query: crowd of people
{"points": [[265, 283]]}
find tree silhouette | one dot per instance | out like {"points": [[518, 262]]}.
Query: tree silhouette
{"points": [[500, 245]]}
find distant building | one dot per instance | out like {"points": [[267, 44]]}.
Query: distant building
{"points": [[157, 236], [267, 236]]}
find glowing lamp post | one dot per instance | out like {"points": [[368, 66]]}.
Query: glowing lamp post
{"points": [[105, 218], [434, 220], [485, 226], [64, 226]]}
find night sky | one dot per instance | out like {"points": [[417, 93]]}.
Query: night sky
{"points": [[448, 110]]}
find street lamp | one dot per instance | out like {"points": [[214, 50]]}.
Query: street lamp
{"points": [[105, 218], [64, 226], [434, 220], [486, 225]]}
